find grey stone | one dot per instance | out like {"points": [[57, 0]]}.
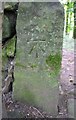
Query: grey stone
{"points": [[6, 26], [71, 108], [39, 34]]}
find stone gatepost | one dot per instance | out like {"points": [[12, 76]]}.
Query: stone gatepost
{"points": [[39, 39]]}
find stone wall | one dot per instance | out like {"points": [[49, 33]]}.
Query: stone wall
{"points": [[8, 49]]}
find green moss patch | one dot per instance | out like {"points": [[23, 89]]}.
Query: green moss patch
{"points": [[10, 49], [54, 61]]}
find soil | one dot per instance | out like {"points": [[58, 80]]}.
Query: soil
{"points": [[16, 109]]}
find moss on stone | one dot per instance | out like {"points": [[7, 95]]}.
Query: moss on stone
{"points": [[10, 49], [20, 65], [9, 5], [4, 57], [54, 61]]}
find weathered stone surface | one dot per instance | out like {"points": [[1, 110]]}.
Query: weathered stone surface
{"points": [[9, 34], [71, 108], [9, 21], [39, 35], [6, 27], [9, 5], [6, 21]]}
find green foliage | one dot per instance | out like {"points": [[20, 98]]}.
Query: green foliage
{"points": [[69, 18], [74, 20]]}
